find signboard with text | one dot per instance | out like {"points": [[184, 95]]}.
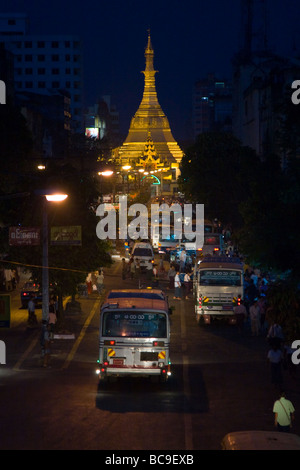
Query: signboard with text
{"points": [[20, 236], [69, 235]]}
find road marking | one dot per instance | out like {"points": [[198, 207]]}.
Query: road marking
{"points": [[188, 429], [25, 354], [81, 335], [31, 346]]}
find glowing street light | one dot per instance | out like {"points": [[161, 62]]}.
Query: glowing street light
{"points": [[51, 196], [105, 173]]}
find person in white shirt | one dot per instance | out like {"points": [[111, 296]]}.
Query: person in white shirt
{"points": [[284, 412], [177, 285], [32, 320], [254, 318], [187, 281]]}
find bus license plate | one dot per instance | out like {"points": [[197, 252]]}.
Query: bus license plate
{"points": [[118, 362]]}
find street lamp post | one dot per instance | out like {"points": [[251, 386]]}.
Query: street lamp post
{"points": [[52, 196], [106, 174]]}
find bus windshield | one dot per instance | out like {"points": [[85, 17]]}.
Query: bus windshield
{"points": [[209, 277], [134, 324]]}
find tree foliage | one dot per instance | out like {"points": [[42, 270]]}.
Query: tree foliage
{"points": [[68, 265], [216, 171]]}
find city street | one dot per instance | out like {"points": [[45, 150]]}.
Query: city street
{"points": [[220, 383]]}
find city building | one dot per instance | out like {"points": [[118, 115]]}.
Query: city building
{"points": [[212, 105], [45, 64], [150, 146], [262, 90], [102, 120]]}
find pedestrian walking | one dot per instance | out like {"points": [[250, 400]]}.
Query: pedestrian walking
{"points": [[254, 318], [100, 281], [171, 276], [177, 285], [124, 268], [32, 320], [89, 283], [52, 318], [182, 260], [187, 284], [275, 334], [284, 413], [240, 313], [275, 358], [8, 276]]}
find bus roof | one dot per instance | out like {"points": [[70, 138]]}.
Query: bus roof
{"points": [[220, 262], [136, 293], [136, 303]]}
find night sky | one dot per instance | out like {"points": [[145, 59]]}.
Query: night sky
{"points": [[190, 39]]}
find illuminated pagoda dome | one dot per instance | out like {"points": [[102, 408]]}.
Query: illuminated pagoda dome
{"points": [[150, 138]]}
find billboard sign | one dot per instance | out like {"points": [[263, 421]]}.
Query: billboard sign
{"points": [[20, 236], [69, 235]]}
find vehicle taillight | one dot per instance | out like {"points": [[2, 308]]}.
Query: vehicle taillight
{"points": [[216, 249], [109, 342], [200, 301], [238, 301], [158, 343]]}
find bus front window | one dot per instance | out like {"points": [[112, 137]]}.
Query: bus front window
{"points": [[220, 278], [134, 325]]}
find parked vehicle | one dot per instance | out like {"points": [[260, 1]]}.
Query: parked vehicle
{"points": [[32, 287]]}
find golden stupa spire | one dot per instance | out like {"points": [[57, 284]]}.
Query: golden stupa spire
{"points": [[149, 95], [150, 118]]}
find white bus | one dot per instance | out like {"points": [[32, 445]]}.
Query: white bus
{"points": [[218, 287], [134, 336]]}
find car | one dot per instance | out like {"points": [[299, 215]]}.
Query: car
{"points": [[32, 287]]}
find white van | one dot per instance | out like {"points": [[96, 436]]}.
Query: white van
{"points": [[143, 252]]}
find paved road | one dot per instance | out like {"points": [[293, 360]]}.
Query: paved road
{"points": [[220, 383]]}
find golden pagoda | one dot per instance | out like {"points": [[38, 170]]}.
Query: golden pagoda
{"points": [[150, 142]]}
